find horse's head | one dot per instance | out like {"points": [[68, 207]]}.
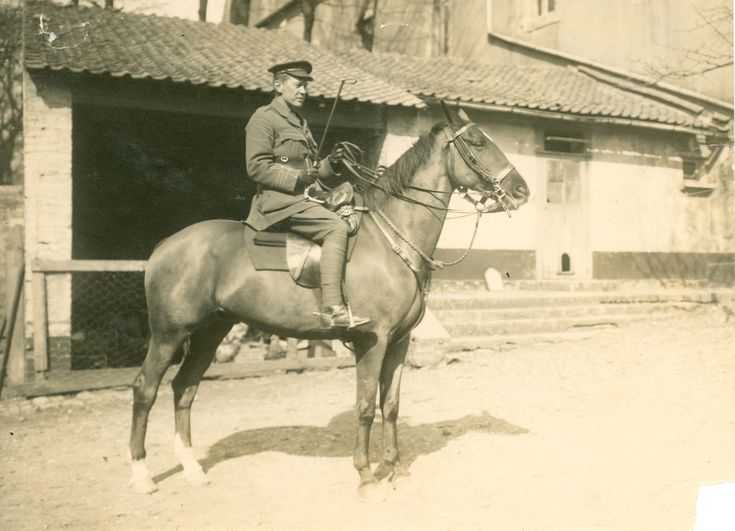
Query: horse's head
{"points": [[474, 162]]}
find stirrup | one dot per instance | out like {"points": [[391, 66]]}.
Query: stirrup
{"points": [[341, 316]]}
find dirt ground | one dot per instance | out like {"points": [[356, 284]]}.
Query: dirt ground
{"points": [[615, 432]]}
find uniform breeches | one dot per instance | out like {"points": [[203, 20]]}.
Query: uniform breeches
{"points": [[326, 228]]}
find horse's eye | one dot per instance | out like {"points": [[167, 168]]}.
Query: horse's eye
{"points": [[478, 143]]}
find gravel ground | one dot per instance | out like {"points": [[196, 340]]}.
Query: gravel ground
{"points": [[615, 432]]}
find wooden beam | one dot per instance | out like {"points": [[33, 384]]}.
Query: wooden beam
{"points": [[77, 266], [15, 327], [40, 326]]}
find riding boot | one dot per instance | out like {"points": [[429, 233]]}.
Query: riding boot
{"points": [[335, 314]]}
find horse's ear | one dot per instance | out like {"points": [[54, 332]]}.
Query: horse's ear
{"points": [[451, 115], [463, 115]]}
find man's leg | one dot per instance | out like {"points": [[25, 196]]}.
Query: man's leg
{"points": [[326, 228]]}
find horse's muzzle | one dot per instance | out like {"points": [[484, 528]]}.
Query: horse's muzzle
{"points": [[516, 189]]}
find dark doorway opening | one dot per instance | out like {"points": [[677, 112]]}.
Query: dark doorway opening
{"points": [[566, 263], [139, 176]]}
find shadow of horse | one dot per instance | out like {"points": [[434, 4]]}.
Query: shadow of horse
{"points": [[337, 439]]}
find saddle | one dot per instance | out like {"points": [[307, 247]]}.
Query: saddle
{"points": [[279, 250]]}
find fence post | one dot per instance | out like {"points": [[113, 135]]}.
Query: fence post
{"points": [[40, 325], [14, 264]]}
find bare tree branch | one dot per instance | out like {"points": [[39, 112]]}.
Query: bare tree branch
{"points": [[240, 12], [711, 53], [365, 25], [308, 10], [710, 23], [11, 113]]}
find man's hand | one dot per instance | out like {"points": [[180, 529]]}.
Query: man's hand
{"points": [[309, 174], [336, 156]]}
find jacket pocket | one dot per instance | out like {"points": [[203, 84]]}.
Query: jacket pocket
{"points": [[292, 145]]}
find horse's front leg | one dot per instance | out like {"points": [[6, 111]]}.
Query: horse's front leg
{"points": [[369, 363], [390, 388]]}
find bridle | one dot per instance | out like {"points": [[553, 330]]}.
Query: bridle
{"points": [[371, 178], [495, 190]]}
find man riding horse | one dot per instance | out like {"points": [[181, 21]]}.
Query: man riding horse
{"points": [[281, 156]]}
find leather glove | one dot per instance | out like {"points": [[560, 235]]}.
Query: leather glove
{"points": [[336, 156], [308, 175]]}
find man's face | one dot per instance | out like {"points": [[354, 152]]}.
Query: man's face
{"points": [[293, 90]]}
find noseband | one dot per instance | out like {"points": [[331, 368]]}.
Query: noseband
{"points": [[495, 190]]}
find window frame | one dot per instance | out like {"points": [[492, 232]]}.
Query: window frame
{"points": [[535, 20]]}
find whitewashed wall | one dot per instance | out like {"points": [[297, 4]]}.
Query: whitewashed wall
{"points": [[47, 128]]}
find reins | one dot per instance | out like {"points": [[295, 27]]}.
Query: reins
{"points": [[371, 178]]}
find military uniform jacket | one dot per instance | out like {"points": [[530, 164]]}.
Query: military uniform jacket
{"points": [[277, 144]]}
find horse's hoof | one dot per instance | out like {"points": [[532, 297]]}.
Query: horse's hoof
{"points": [[391, 473], [383, 472], [143, 486], [196, 478], [400, 473], [371, 492]]}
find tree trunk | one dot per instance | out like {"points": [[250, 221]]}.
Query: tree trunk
{"points": [[203, 10], [240, 12], [365, 25], [308, 8]]}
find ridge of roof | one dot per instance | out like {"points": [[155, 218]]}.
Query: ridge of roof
{"points": [[666, 87]]}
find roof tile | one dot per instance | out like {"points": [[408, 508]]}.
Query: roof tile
{"points": [[545, 88], [149, 46]]}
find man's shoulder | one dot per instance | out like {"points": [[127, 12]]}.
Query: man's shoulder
{"points": [[261, 115]]}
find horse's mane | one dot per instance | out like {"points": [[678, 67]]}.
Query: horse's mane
{"points": [[400, 174]]}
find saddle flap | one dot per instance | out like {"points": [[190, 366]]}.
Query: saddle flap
{"points": [[302, 258]]}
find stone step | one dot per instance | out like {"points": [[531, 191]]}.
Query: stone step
{"points": [[532, 326], [433, 352], [526, 299], [447, 317], [445, 285]]}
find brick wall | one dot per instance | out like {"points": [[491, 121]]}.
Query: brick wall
{"points": [[47, 150]]}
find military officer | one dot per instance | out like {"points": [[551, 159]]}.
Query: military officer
{"points": [[280, 155]]}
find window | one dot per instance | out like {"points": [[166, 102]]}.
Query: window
{"points": [[540, 13], [545, 6], [569, 143], [563, 185]]}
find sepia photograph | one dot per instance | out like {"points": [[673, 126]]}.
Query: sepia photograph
{"points": [[237, 235]]}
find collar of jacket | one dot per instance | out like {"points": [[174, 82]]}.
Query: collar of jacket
{"points": [[282, 108]]}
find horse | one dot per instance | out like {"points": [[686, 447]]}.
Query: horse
{"points": [[200, 281]]}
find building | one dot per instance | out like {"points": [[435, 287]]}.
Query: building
{"points": [[625, 183], [624, 137], [687, 44], [134, 128]]}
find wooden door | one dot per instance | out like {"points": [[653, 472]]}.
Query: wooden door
{"points": [[563, 245]]}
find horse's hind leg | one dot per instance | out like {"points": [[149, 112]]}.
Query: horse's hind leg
{"points": [[161, 350], [203, 345], [390, 388]]}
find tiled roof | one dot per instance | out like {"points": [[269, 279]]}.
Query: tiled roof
{"points": [[551, 88], [97, 41]]}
